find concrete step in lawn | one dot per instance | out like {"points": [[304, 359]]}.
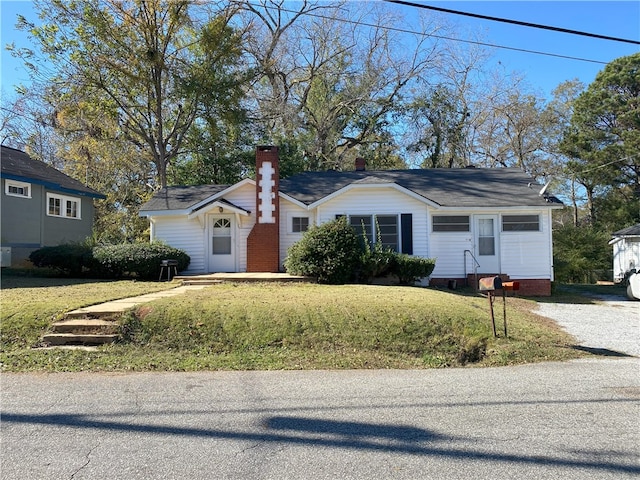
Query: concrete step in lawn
{"points": [[83, 331], [198, 281]]}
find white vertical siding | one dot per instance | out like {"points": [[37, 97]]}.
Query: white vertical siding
{"points": [[187, 235], [527, 254]]}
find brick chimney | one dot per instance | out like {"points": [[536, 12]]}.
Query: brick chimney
{"points": [[263, 243], [360, 164]]}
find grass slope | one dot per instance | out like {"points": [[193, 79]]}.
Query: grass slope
{"points": [[280, 326]]}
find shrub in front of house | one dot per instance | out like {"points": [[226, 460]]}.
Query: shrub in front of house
{"points": [[71, 259], [330, 252], [376, 261], [140, 260], [410, 269], [334, 253]]}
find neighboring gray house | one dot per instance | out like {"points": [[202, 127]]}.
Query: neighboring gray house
{"points": [[471, 220], [40, 206], [626, 251]]}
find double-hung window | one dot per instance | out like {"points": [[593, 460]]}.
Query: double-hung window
{"points": [[63, 206], [299, 224], [378, 228]]}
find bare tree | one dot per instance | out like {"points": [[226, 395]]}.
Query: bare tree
{"points": [[333, 76]]}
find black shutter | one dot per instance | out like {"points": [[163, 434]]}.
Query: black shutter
{"points": [[406, 229]]}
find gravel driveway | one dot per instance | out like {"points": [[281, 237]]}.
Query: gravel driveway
{"points": [[611, 323]]}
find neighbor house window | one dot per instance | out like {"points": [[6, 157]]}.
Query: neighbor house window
{"points": [[520, 223], [63, 206], [378, 228], [299, 224], [451, 223], [18, 189]]}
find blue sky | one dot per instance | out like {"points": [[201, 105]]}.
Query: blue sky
{"points": [[543, 72]]}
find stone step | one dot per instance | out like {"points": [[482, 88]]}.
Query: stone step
{"points": [[204, 281], [103, 314], [57, 339], [86, 326]]}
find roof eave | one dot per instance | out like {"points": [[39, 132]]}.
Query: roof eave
{"points": [[54, 186], [220, 194]]}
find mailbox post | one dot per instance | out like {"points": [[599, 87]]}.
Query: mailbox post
{"points": [[490, 285]]}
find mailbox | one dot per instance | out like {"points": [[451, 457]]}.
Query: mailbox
{"points": [[512, 286], [490, 284]]}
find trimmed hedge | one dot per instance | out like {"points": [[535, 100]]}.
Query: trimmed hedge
{"points": [[410, 269], [73, 259], [139, 260]]}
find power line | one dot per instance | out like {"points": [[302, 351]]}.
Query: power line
{"points": [[514, 22], [441, 37]]}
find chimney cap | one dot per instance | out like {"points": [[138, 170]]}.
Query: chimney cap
{"points": [[266, 148]]}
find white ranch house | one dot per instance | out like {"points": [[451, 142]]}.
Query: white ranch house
{"points": [[473, 221]]}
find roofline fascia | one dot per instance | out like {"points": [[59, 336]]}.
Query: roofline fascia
{"points": [[393, 185], [163, 213], [294, 201], [216, 203], [52, 186], [492, 207], [624, 237], [215, 196]]}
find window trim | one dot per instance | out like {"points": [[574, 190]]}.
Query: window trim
{"points": [[17, 184], [444, 230], [521, 222], [63, 206]]}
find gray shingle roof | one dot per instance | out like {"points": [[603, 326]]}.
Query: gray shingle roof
{"points": [[18, 165], [632, 231], [455, 187], [181, 198], [448, 187]]}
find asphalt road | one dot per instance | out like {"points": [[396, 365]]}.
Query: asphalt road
{"points": [[573, 420]]}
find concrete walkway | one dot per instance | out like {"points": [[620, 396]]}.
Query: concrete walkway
{"points": [[119, 306]]}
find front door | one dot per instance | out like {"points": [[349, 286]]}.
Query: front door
{"points": [[221, 243], [487, 243]]}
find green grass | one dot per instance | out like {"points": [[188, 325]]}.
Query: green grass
{"points": [[29, 305], [281, 326]]}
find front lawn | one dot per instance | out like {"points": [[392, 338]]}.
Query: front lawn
{"points": [[281, 326]]}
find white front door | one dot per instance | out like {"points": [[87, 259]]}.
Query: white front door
{"points": [[221, 235], [487, 243]]}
